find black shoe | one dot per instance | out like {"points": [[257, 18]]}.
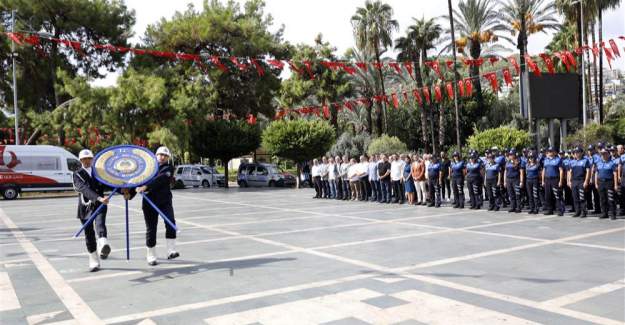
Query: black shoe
{"points": [[430, 205], [570, 210], [584, 215], [613, 217], [577, 214], [491, 207], [518, 211], [548, 213], [461, 206], [560, 214], [173, 255], [531, 212], [597, 212], [603, 216], [105, 251], [437, 206], [496, 208], [479, 207], [511, 210], [153, 263]]}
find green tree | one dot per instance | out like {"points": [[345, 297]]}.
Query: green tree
{"points": [[591, 134], [386, 144], [225, 139], [102, 21], [350, 145], [299, 140], [503, 137], [373, 27]]}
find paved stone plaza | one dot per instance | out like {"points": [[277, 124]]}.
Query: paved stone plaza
{"points": [[276, 256]]}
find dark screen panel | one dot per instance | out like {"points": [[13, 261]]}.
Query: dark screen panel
{"points": [[554, 95]]}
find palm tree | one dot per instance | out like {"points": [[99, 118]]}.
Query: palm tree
{"points": [[478, 25], [420, 37], [601, 6], [373, 26], [523, 18]]}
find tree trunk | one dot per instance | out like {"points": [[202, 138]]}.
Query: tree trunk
{"points": [[588, 91], [441, 126], [578, 40], [225, 162], [476, 50], [298, 176], [382, 123], [430, 113], [424, 116], [600, 93], [594, 66]]}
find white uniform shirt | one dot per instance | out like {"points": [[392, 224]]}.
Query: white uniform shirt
{"points": [[373, 171], [352, 172], [343, 170], [363, 169], [315, 171], [331, 172], [427, 166], [323, 171], [396, 170]]}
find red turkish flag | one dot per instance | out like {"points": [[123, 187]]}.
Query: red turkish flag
{"points": [[461, 88], [408, 66], [507, 76], [251, 119], [532, 65], [349, 106], [595, 50], [450, 64], [347, 68], [438, 94], [548, 62], [515, 64], [258, 67], [378, 65], [608, 55], [562, 59], [615, 48], [238, 64], [395, 100], [362, 66], [15, 37], [276, 63], [450, 90], [492, 60], [570, 58], [426, 94], [395, 66], [216, 62], [308, 66], [469, 87], [436, 67], [405, 97], [417, 96], [492, 77], [326, 112]]}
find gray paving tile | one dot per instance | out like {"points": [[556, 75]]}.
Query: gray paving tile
{"points": [[384, 302]]}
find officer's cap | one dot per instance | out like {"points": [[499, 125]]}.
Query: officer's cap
{"points": [[85, 153], [163, 151], [591, 147]]}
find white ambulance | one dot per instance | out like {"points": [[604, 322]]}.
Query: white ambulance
{"points": [[39, 168]]}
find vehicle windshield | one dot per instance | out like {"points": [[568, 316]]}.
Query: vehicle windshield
{"points": [[207, 170], [273, 169]]}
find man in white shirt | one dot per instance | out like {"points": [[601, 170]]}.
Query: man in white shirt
{"points": [[323, 172], [332, 171], [396, 172], [428, 161], [354, 179], [363, 173], [345, 179], [374, 179], [316, 176]]}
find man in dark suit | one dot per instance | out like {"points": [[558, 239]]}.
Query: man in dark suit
{"points": [[91, 196]]}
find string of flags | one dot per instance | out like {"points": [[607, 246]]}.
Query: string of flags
{"points": [[310, 69]]}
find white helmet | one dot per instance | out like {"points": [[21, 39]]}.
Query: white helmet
{"points": [[85, 153], [163, 151]]}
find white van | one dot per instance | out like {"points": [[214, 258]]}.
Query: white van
{"points": [[37, 168]]}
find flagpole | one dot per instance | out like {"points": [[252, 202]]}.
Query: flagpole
{"points": [[15, 108]]}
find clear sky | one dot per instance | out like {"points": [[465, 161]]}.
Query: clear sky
{"points": [[303, 20]]}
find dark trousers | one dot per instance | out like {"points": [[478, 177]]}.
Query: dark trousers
{"points": [[325, 188], [553, 195], [457, 184], [365, 188], [446, 185], [608, 197], [541, 195], [474, 184], [568, 195], [513, 186], [592, 196], [533, 193], [397, 192], [494, 195], [151, 222], [347, 193], [622, 197], [435, 191], [96, 230], [317, 183], [339, 188], [579, 196], [375, 190], [385, 189]]}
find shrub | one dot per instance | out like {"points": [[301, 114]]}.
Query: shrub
{"points": [[351, 145], [502, 137], [386, 144], [592, 133]]}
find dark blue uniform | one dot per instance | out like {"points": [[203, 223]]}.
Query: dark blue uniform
{"points": [[90, 189], [434, 172], [605, 175], [553, 191], [567, 194], [622, 187], [579, 168], [474, 183], [457, 182], [501, 161], [159, 192], [532, 176], [493, 171], [592, 191], [513, 184]]}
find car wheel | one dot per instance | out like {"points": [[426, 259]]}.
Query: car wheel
{"points": [[243, 184], [205, 184], [272, 184], [10, 193], [179, 184]]}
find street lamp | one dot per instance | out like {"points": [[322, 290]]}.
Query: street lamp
{"points": [[581, 11]]}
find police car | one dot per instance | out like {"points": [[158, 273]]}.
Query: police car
{"points": [[197, 175]]}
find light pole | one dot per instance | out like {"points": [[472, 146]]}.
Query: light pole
{"points": [[581, 12], [453, 46], [16, 110]]}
